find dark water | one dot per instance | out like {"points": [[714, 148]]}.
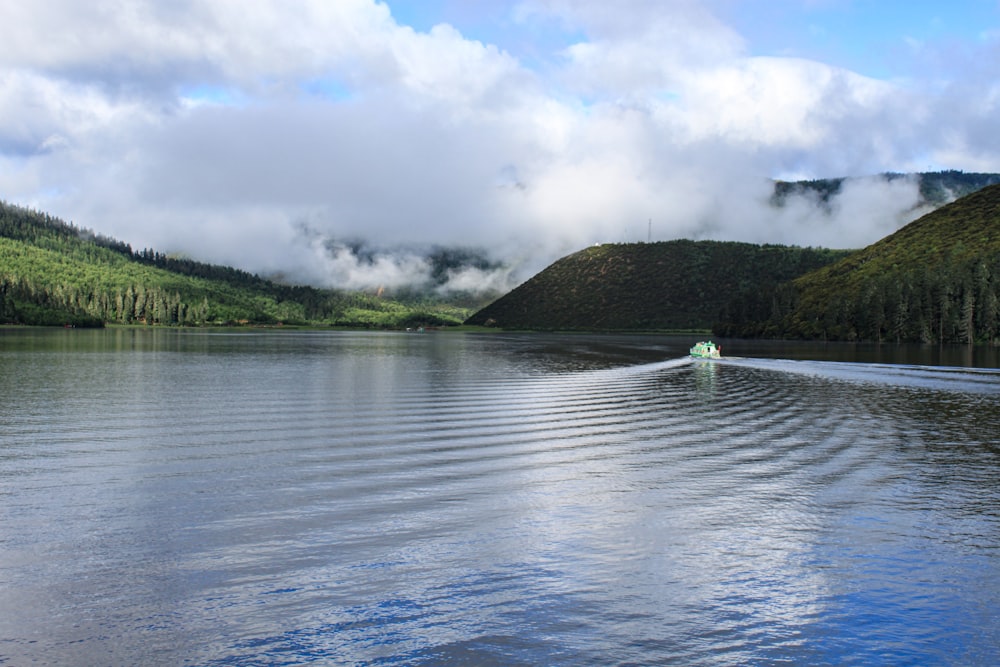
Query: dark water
{"points": [[197, 498]]}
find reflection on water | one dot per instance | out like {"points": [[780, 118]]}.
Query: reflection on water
{"points": [[261, 498]]}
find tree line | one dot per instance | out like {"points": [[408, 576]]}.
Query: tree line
{"points": [[956, 301]]}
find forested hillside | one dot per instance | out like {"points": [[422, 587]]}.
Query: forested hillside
{"points": [[935, 280], [648, 286], [53, 273]]}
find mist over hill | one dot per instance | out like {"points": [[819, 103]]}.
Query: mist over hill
{"points": [[403, 270], [831, 212], [935, 188], [935, 280], [53, 271]]}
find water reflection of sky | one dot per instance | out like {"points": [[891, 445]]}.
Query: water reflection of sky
{"points": [[405, 501]]}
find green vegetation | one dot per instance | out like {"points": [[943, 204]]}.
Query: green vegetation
{"points": [[670, 285], [935, 280], [53, 273]]}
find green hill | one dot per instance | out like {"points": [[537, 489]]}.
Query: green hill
{"points": [[647, 286], [935, 280], [53, 273]]}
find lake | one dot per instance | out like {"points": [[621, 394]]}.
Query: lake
{"points": [[172, 497]]}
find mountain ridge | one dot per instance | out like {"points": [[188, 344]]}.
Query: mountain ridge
{"points": [[666, 285], [936, 279]]}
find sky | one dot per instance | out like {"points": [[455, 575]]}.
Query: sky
{"points": [[279, 136]]}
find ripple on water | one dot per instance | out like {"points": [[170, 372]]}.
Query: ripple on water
{"points": [[440, 505]]}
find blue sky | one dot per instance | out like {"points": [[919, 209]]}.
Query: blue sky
{"points": [[276, 136], [874, 38], [877, 38]]}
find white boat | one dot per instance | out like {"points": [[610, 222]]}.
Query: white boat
{"points": [[706, 350]]}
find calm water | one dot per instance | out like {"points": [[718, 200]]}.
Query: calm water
{"points": [[199, 498]]}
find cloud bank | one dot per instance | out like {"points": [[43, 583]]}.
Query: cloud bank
{"points": [[224, 129]]}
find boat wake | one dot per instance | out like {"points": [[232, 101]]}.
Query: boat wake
{"points": [[942, 378], [664, 365], [937, 378]]}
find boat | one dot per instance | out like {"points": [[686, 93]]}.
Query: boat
{"points": [[706, 350]]}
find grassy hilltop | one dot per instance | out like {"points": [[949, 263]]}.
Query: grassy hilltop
{"points": [[648, 286]]}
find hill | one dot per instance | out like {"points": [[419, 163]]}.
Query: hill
{"points": [[647, 286], [53, 273], [931, 281], [934, 280]]}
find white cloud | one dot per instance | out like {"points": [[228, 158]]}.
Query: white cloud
{"points": [[214, 128], [40, 114], [638, 46], [473, 279], [865, 209], [778, 102], [388, 270], [248, 42]]}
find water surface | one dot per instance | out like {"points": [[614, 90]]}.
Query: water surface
{"points": [[205, 498]]}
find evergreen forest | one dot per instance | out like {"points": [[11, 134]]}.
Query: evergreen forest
{"points": [[936, 280], [54, 273]]}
